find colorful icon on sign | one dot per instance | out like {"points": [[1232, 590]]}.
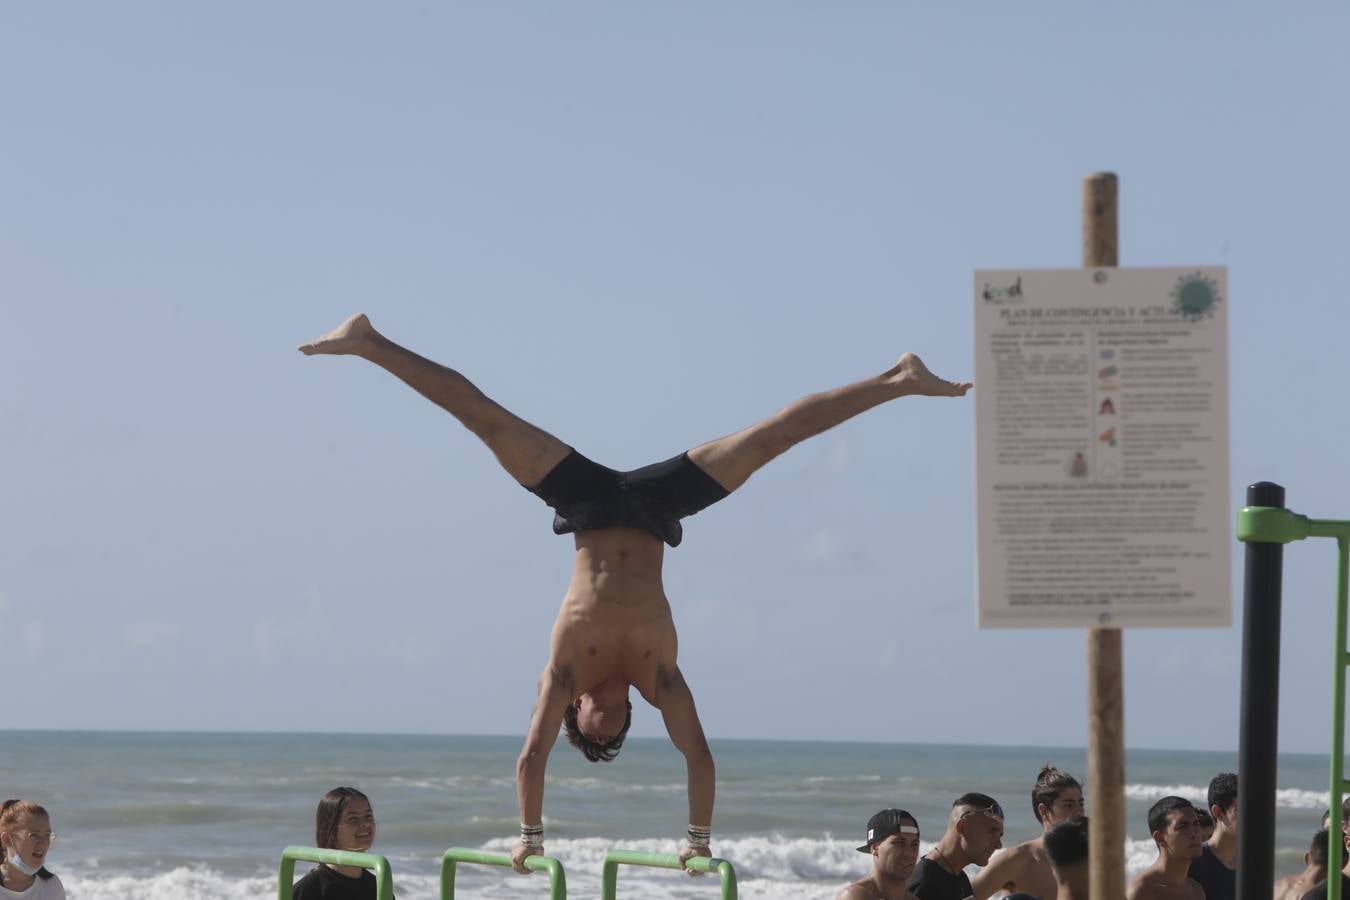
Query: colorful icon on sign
{"points": [[1107, 408], [1108, 372], [1007, 294], [1195, 296], [1078, 466], [1107, 437]]}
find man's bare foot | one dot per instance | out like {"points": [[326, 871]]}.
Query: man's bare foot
{"points": [[348, 338], [912, 378]]}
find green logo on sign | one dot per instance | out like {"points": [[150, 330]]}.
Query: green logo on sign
{"points": [[1195, 296]]}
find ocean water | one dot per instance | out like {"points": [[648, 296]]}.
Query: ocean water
{"points": [[154, 816]]}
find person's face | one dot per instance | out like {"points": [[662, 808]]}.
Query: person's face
{"points": [[600, 722], [1181, 837], [896, 856], [1068, 803], [356, 827], [29, 839], [981, 835]]}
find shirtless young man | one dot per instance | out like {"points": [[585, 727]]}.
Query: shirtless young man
{"points": [[1025, 868], [1066, 846], [614, 630], [893, 842], [1177, 834], [1292, 887]]}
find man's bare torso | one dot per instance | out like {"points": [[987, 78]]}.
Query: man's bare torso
{"points": [[868, 889], [1031, 872], [1152, 885], [615, 621]]}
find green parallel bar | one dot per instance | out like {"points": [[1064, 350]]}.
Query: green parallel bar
{"points": [[1269, 525], [384, 878], [609, 875], [1336, 848], [1266, 524], [557, 879]]}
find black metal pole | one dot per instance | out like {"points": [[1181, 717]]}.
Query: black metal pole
{"points": [[1258, 742]]}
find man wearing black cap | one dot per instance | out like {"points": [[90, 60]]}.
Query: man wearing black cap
{"points": [[893, 841], [974, 832]]}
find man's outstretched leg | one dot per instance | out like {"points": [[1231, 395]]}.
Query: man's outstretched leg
{"points": [[526, 452], [733, 459]]}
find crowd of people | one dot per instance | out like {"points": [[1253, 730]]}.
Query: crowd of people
{"points": [[1197, 851]]}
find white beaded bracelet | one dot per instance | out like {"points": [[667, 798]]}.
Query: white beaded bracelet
{"points": [[532, 836]]}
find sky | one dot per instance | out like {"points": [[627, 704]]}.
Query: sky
{"points": [[640, 226]]}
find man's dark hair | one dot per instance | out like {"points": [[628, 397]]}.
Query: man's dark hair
{"points": [[1050, 783], [1203, 818], [1223, 791], [593, 750], [1320, 849], [1158, 813], [1067, 843], [1345, 814]]}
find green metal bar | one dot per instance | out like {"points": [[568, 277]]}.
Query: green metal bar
{"points": [[557, 879], [1336, 848], [1332, 528], [609, 874], [1271, 525], [384, 878]]}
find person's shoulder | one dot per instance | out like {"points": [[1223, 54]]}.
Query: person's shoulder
{"points": [[1141, 886], [1316, 892], [1024, 852], [922, 870], [1203, 865], [932, 882], [51, 888], [1196, 889], [310, 886], [858, 890]]}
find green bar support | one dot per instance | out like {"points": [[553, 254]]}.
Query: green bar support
{"points": [[1264, 524], [1268, 525], [557, 879], [1336, 848], [384, 878], [609, 875]]}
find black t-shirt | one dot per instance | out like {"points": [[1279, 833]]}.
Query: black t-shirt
{"points": [[325, 884], [1219, 881], [932, 882], [1319, 890]]}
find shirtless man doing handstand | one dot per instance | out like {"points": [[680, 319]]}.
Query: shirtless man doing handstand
{"points": [[614, 630]]}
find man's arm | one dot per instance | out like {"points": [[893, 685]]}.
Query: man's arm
{"points": [[676, 703], [555, 692], [1007, 867]]}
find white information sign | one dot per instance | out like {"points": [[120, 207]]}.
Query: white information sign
{"points": [[1101, 399]]}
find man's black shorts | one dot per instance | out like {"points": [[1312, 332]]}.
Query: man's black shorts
{"points": [[586, 495]]}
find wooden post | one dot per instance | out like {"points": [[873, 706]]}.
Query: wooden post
{"points": [[1106, 705]]}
